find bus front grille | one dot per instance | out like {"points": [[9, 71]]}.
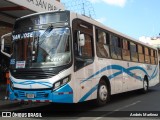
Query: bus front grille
{"points": [[39, 94], [32, 74]]}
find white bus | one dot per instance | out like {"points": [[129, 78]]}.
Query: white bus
{"points": [[64, 57]]}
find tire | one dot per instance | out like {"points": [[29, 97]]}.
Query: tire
{"points": [[145, 86], [103, 94]]}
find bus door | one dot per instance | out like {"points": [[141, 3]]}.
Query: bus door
{"points": [[83, 59]]}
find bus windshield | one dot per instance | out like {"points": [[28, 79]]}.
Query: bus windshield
{"points": [[50, 47]]}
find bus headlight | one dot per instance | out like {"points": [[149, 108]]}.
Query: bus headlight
{"points": [[61, 82]]}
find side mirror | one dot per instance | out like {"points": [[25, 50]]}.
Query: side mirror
{"points": [[81, 40], [2, 44]]}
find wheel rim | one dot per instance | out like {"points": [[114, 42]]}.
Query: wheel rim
{"points": [[145, 85], [103, 93]]}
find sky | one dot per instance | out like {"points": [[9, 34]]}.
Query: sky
{"points": [[135, 18]]}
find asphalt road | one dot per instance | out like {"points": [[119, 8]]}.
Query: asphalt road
{"points": [[126, 106]]}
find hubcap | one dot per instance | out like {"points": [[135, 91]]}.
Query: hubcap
{"points": [[103, 93]]}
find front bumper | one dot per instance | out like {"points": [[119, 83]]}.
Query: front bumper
{"points": [[61, 95]]}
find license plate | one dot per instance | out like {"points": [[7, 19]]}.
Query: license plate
{"points": [[30, 95]]}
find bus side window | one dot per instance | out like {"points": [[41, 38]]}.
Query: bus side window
{"points": [[147, 57], [134, 54], [87, 49], [126, 50], [141, 53], [83, 53], [114, 43], [102, 44], [116, 47], [119, 49]]}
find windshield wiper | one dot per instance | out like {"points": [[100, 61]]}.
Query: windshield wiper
{"points": [[38, 40], [43, 37]]}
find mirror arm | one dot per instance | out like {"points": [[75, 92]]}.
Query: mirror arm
{"points": [[2, 44]]}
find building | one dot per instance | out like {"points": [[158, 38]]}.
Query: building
{"points": [[154, 41], [12, 9]]}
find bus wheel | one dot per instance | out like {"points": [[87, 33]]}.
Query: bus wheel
{"points": [[145, 86], [102, 93]]}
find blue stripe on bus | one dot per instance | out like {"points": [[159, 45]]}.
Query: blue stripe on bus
{"points": [[88, 94], [64, 98], [122, 69], [47, 84], [155, 72]]}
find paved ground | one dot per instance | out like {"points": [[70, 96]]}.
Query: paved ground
{"points": [[124, 105]]}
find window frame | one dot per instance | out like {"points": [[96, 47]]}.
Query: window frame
{"points": [[116, 47], [134, 59], [107, 43], [139, 51], [76, 27], [126, 50], [147, 55]]}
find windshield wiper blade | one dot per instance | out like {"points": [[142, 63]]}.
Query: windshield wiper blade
{"points": [[38, 40], [42, 38]]}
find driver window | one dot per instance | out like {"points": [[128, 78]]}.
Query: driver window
{"points": [[83, 54], [87, 51]]}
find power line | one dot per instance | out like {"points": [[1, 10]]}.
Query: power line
{"points": [[83, 7]]}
